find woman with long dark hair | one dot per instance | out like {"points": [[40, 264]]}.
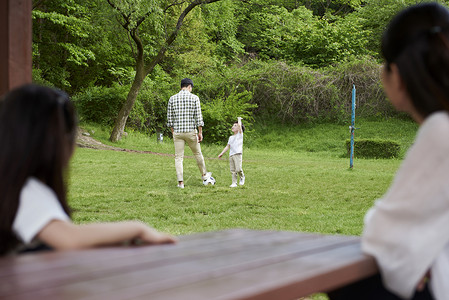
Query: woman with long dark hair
{"points": [[407, 231], [37, 136]]}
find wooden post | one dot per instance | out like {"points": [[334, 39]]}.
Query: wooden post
{"points": [[15, 44]]}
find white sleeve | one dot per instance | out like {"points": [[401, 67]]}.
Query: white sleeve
{"points": [[440, 276], [408, 229], [38, 205], [230, 140]]}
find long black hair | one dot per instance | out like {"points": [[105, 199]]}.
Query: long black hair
{"points": [[417, 41], [37, 136]]}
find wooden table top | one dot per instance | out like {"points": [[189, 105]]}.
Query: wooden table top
{"points": [[230, 264]]}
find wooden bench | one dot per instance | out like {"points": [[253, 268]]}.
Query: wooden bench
{"points": [[230, 264]]}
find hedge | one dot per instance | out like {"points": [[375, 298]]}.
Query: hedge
{"points": [[373, 148]]}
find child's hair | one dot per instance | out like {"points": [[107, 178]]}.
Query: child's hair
{"points": [[243, 126], [417, 41], [37, 132]]}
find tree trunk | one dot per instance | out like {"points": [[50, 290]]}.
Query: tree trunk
{"points": [[123, 115]]}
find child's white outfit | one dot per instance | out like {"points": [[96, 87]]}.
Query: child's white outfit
{"points": [[235, 143], [38, 206]]}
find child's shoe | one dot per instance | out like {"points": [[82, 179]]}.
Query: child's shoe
{"points": [[242, 180], [233, 185]]}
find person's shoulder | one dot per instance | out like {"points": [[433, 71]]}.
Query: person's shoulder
{"points": [[172, 97], [437, 122], [435, 130], [36, 188]]}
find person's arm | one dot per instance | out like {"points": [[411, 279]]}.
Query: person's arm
{"points": [[199, 120], [224, 151], [170, 115], [62, 235], [200, 134], [239, 122]]}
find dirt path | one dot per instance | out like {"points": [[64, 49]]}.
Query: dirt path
{"points": [[84, 140]]}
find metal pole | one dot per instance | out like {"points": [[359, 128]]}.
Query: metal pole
{"points": [[352, 128]]}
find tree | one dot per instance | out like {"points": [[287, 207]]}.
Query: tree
{"points": [[375, 16], [61, 42], [323, 43], [71, 48], [132, 15]]}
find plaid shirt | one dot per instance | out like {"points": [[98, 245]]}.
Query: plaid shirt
{"points": [[184, 112]]}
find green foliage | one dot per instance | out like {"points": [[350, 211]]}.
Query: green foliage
{"points": [[364, 73], [38, 78], [221, 24], [375, 16], [324, 42], [374, 148], [294, 94], [100, 104], [221, 113], [268, 30], [77, 44], [273, 32], [150, 111], [192, 51], [335, 7], [298, 59], [60, 40]]}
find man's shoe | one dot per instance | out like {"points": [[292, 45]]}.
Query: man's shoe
{"points": [[242, 180], [233, 185], [207, 176], [208, 179], [181, 185]]}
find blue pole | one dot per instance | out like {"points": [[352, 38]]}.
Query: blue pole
{"points": [[352, 128]]}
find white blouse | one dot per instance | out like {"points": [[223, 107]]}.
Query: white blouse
{"points": [[38, 205], [407, 231]]}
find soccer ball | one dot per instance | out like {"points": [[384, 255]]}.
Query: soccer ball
{"points": [[210, 180]]}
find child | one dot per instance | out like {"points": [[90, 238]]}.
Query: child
{"points": [[235, 147], [37, 134], [407, 231]]}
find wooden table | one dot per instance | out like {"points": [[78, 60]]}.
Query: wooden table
{"points": [[230, 264]]}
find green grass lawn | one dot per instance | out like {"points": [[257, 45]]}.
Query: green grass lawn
{"points": [[296, 179]]}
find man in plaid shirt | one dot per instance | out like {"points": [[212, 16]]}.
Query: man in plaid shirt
{"points": [[184, 117]]}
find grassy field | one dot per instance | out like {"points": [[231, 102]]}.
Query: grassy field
{"points": [[297, 179]]}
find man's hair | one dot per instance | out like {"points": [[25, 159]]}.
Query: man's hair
{"points": [[186, 82]]}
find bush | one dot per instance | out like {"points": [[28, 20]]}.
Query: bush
{"points": [[150, 111], [373, 148], [364, 74], [220, 113], [149, 114], [100, 104], [295, 94]]}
